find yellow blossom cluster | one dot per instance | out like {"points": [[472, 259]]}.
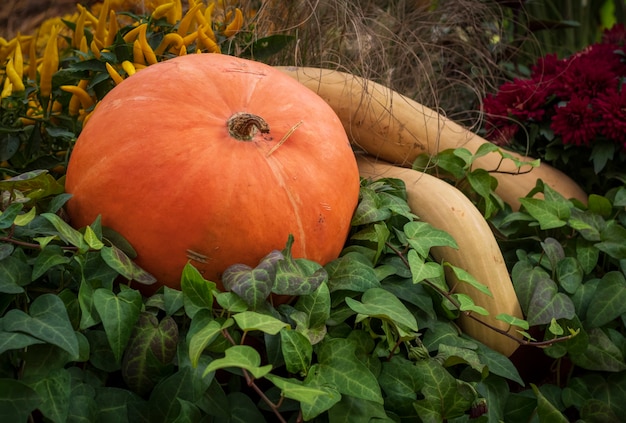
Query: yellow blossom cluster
{"points": [[28, 63]]}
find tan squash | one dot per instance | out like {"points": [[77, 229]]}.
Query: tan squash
{"points": [[448, 209], [392, 127]]}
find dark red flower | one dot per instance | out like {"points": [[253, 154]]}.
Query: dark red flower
{"points": [[521, 100], [611, 107], [588, 75], [575, 122], [616, 35]]}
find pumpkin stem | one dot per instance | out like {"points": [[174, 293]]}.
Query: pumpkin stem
{"points": [[244, 126]]}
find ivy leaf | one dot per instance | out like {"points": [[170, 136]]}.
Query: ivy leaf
{"points": [[204, 330], [422, 237], [498, 364], [151, 349], [251, 320], [297, 276], [121, 263], [370, 208], [240, 356], [339, 367], [547, 304], [197, 291], [569, 274], [466, 303], [253, 285], [17, 401], [613, 240], [443, 398], [549, 214], [48, 321], [601, 354], [49, 257], [316, 306], [377, 234], [54, 389], [547, 411], [464, 276], [297, 351], [14, 275], [422, 270], [379, 303], [119, 313], [401, 381], [609, 300], [351, 272], [8, 215], [66, 232]]}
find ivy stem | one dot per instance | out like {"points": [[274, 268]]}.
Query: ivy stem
{"points": [[540, 344], [251, 384]]}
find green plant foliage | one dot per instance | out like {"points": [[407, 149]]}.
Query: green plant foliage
{"points": [[567, 263], [77, 340]]}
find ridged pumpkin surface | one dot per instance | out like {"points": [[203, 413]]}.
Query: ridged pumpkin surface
{"points": [[157, 161]]}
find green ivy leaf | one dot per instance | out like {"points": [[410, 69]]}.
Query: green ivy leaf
{"points": [[197, 291], [547, 304], [549, 214], [381, 304], [119, 314], [401, 382], [498, 364], [66, 232], [121, 263], [613, 240], [422, 270], [251, 320], [297, 276], [54, 389], [240, 356], [546, 411], [203, 331], [370, 208], [601, 354], [150, 351], [466, 303], [422, 237], [297, 351], [316, 306], [609, 300], [8, 215], [14, 275], [464, 276], [48, 321], [443, 399], [339, 367], [17, 401], [253, 285], [569, 274], [92, 240], [49, 257], [351, 272]]}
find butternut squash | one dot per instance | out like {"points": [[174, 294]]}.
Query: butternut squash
{"points": [[446, 208], [392, 127]]}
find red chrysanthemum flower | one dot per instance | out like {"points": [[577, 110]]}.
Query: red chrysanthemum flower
{"points": [[588, 75], [521, 99], [611, 107], [616, 35], [575, 122], [547, 73]]}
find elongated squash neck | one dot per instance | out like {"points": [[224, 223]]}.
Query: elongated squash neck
{"points": [[244, 126]]}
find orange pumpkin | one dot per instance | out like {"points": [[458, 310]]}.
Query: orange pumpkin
{"points": [[213, 156]]}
